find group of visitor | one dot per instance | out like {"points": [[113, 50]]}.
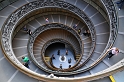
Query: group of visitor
{"points": [[85, 33], [27, 30], [113, 51]]}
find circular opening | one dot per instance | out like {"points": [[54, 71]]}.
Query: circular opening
{"points": [[62, 55]]}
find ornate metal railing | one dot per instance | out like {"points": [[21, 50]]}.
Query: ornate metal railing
{"points": [[15, 17], [47, 27], [55, 41], [19, 14], [92, 33], [38, 15], [110, 8], [112, 13], [113, 30]]}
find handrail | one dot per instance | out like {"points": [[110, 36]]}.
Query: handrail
{"points": [[32, 17], [14, 21], [37, 15], [9, 27], [54, 41], [93, 43], [113, 28], [92, 32], [46, 27], [113, 33], [112, 13]]}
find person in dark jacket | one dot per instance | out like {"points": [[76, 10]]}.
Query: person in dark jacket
{"points": [[58, 53], [120, 4], [75, 26], [26, 65], [60, 66]]}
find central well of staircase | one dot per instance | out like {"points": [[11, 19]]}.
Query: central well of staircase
{"points": [[61, 54]]}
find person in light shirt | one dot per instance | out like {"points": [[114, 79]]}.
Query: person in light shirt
{"points": [[47, 21], [113, 51]]}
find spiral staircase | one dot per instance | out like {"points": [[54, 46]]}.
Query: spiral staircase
{"points": [[104, 22]]}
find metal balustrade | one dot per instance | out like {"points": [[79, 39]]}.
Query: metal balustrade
{"points": [[14, 18], [52, 26], [54, 41]]}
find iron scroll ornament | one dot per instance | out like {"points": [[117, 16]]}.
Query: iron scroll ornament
{"points": [[15, 17]]}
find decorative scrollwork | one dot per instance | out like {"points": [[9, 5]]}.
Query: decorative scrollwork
{"points": [[111, 11], [55, 41], [47, 27], [10, 24], [112, 17], [55, 25]]}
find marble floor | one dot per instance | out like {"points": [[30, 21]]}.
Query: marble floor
{"points": [[53, 49]]}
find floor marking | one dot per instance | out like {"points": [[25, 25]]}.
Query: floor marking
{"points": [[85, 7], [94, 14], [2, 58], [100, 23], [13, 76], [20, 47], [31, 26], [13, 6], [20, 39], [22, 55]]}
